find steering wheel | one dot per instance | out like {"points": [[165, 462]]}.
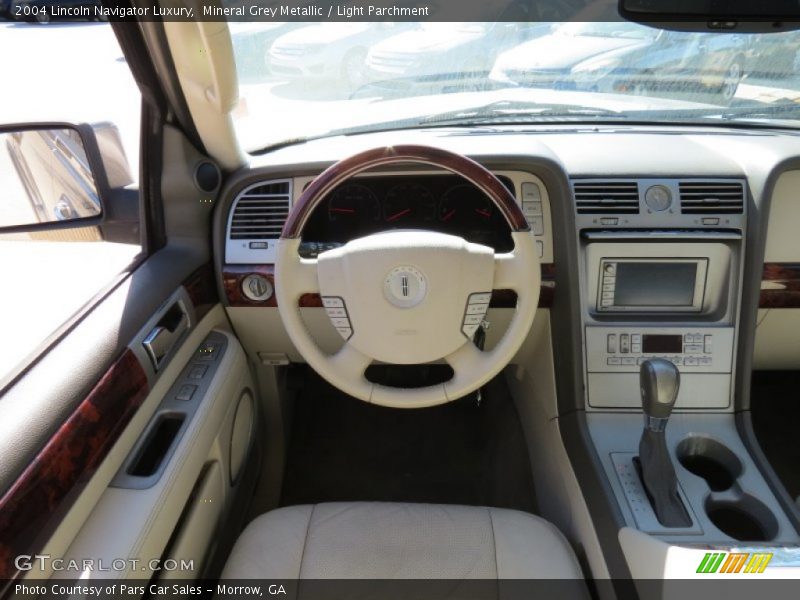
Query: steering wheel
{"points": [[407, 296]]}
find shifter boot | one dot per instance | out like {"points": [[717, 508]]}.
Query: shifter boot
{"points": [[658, 477]]}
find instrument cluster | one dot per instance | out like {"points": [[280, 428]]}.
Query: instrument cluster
{"points": [[444, 203]]}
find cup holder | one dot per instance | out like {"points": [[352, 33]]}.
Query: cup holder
{"points": [[745, 519], [707, 458]]}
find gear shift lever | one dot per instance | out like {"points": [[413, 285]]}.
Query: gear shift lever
{"points": [[659, 382]]}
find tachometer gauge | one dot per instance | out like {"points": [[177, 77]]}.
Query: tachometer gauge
{"points": [[466, 204], [409, 202], [354, 202]]}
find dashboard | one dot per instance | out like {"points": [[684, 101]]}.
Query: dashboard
{"points": [[554, 170], [443, 203]]}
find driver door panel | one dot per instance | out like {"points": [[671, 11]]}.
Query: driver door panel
{"points": [[92, 410]]}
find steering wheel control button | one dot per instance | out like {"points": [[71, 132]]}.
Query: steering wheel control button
{"points": [[469, 330], [477, 309], [480, 298], [477, 305], [332, 302], [345, 332], [257, 288], [404, 287], [335, 313]]}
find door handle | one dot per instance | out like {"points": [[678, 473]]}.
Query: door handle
{"points": [[164, 336]]}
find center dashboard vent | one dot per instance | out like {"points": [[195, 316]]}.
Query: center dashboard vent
{"points": [[257, 217], [606, 197], [711, 197]]}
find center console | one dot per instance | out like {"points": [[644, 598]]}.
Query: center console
{"points": [[661, 269], [651, 293]]}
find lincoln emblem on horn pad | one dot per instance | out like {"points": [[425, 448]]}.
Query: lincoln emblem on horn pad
{"points": [[404, 287]]}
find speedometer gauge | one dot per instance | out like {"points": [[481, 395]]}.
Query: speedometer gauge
{"points": [[354, 202], [465, 204], [409, 202]]}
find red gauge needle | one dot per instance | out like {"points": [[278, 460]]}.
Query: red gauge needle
{"points": [[483, 212], [449, 215], [396, 216], [348, 211]]}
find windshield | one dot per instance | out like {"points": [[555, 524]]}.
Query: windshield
{"points": [[301, 80]]}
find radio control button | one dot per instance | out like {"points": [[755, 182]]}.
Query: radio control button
{"points": [[690, 361], [693, 348], [606, 302], [608, 296], [610, 269], [628, 360], [636, 338], [636, 348], [624, 343], [688, 338], [609, 220], [614, 360], [608, 287], [707, 345], [611, 343], [705, 361], [677, 360]]}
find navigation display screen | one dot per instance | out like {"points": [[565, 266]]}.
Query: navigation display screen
{"points": [[655, 284]]}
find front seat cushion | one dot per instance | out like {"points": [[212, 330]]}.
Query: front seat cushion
{"points": [[376, 540]]}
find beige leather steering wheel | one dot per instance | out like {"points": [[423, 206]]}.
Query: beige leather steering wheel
{"points": [[407, 297]]}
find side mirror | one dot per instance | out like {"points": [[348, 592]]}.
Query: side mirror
{"points": [[58, 176]]}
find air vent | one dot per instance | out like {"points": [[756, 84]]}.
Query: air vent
{"points": [[606, 197], [260, 212], [256, 220], [711, 197]]}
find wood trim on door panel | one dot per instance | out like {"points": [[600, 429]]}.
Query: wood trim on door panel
{"points": [[33, 507]]}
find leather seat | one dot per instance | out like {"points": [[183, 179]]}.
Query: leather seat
{"points": [[376, 540]]}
